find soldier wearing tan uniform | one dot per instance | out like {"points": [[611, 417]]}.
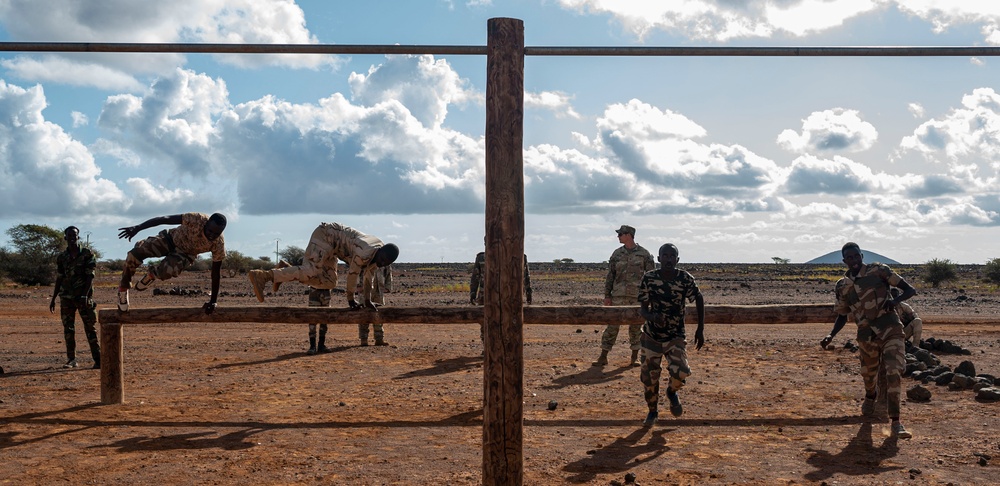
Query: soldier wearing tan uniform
{"points": [[382, 286], [864, 294], [626, 267], [331, 242], [179, 247]]}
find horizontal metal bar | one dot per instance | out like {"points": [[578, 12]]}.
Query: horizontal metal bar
{"points": [[240, 48], [869, 51], [887, 51]]}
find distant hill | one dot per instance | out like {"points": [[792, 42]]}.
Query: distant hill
{"points": [[870, 257]]}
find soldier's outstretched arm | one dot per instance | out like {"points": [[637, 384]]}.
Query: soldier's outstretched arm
{"points": [[129, 232]]}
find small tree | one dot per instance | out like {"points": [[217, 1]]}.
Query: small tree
{"points": [[780, 261], [938, 271], [992, 271], [293, 254], [33, 260]]}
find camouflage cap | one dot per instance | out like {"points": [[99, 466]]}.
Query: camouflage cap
{"points": [[626, 229]]}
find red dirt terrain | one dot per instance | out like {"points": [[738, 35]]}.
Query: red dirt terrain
{"points": [[242, 403]]}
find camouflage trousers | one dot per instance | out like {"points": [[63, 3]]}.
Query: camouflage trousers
{"points": [[318, 298], [883, 349], [319, 264], [363, 332], [610, 336], [67, 312], [651, 356], [161, 245]]}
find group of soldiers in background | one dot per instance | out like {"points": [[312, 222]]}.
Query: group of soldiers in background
{"points": [[872, 293]]}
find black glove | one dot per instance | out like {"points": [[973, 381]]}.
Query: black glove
{"points": [[354, 304]]}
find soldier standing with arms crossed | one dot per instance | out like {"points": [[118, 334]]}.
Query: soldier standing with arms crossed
{"points": [[621, 287]]}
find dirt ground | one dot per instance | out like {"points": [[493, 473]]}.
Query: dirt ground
{"points": [[243, 403]]}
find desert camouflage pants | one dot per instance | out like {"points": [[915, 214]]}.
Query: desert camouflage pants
{"points": [[67, 312], [884, 349], [319, 264], [651, 356], [173, 263], [318, 298], [610, 336], [363, 332]]}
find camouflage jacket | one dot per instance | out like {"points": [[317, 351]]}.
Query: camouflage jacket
{"points": [[667, 298], [189, 237], [76, 274], [478, 281], [864, 295], [906, 313], [625, 270], [381, 284]]}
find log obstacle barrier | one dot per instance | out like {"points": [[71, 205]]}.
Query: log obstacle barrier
{"points": [[113, 322]]}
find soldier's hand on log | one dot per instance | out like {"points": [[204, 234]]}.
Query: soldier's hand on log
{"points": [[354, 304], [371, 305], [826, 341], [209, 307]]}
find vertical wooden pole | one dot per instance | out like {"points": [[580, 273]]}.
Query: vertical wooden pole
{"points": [[503, 366], [112, 359]]}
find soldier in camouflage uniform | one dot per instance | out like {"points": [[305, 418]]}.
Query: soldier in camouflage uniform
{"points": [[318, 298], [663, 295], [625, 269], [329, 243], [864, 293], [913, 325], [477, 284], [75, 288], [382, 286], [198, 233]]}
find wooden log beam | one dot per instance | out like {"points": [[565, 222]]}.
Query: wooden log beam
{"points": [[534, 314]]}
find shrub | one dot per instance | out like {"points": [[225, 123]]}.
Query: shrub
{"points": [[991, 272], [33, 260], [938, 271]]}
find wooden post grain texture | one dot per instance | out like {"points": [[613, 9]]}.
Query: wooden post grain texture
{"points": [[112, 363], [503, 357]]}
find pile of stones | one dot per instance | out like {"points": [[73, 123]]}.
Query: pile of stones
{"points": [[924, 366]]}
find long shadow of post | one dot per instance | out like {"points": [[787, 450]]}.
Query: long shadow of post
{"points": [[859, 457], [443, 366], [591, 376], [621, 455]]}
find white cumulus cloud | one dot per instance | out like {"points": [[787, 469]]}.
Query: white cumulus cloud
{"points": [[835, 130]]}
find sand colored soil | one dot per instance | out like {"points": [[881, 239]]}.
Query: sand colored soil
{"points": [[242, 403]]}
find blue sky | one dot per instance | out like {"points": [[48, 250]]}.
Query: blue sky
{"points": [[732, 159]]}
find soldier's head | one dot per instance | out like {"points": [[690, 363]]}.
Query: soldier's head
{"points": [[853, 257], [626, 234], [385, 255], [71, 234], [669, 256], [215, 226]]}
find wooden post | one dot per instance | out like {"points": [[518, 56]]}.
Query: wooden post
{"points": [[112, 360], [503, 361]]}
